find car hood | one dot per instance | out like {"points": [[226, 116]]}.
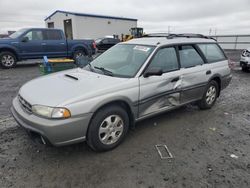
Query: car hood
{"points": [[6, 40], [64, 87]]}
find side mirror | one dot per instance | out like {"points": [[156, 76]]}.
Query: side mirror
{"points": [[25, 39], [153, 72]]}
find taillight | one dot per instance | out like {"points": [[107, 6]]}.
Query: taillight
{"points": [[94, 45]]}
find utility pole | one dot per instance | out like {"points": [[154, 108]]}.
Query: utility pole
{"points": [[210, 31]]}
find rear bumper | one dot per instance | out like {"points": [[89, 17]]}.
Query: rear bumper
{"points": [[57, 132], [225, 81]]}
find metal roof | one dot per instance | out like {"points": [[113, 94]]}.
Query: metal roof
{"points": [[90, 15]]}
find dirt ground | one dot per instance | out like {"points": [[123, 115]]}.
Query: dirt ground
{"points": [[210, 148]]}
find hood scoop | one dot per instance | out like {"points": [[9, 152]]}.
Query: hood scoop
{"points": [[70, 76]]}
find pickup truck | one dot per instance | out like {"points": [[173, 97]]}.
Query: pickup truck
{"points": [[34, 43]]}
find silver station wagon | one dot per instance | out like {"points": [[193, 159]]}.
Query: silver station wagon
{"points": [[131, 81]]}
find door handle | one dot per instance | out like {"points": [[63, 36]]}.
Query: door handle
{"points": [[43, 44], [62, 43], [208, 72], [175, 79]]}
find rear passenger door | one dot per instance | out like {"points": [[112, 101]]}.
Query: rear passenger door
{"points": [[54, 44], [194, 73], [217, 63], [159, 93]]}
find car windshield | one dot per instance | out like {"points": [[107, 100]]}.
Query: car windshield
{"points": [[123, 60], [98, 40], [17, 33]]}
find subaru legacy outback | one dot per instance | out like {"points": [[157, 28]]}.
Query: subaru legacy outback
{"points": [[131, 81]]}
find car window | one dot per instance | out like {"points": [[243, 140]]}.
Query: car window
{"points": [[123, 60], [53, 35], [212, 52], [105, 41], [34, 35], [189, 57], [113, 41], [166, 59], [98, 40]]}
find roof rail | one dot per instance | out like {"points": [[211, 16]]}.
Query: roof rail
{"points": [[189, 35], [173, 35], [156, 35]]}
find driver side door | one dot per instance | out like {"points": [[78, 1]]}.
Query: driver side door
{"points": [[33, 47], [159, 93]]}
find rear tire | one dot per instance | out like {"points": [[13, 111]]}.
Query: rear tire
{"points": [[7, 60], [108, 128], [79, 53], [210, 95]]}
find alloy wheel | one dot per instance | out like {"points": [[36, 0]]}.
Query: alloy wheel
{"points": [[7, 60], [111, 129], [211, 95]]}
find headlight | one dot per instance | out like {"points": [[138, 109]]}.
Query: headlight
{"points": [[246, 53], [50, 112]]}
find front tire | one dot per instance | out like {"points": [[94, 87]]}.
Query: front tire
{"points": [[210, 95], [7, 60], [244, 68], [108, 128]]}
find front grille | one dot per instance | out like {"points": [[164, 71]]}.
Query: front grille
{"points": [[24, 104]]}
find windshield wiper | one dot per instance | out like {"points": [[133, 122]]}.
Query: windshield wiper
{"points": [[90, 67], [105, 71]]}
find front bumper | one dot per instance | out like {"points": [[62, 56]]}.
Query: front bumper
{"points": [[245, 61], [58, 132]]}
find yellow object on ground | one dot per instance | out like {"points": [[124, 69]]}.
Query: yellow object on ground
{"points": [[61, 60]]}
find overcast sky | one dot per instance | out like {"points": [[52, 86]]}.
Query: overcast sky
{"points": [[197, 16]]}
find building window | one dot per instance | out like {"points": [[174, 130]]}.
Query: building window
{"points": [[50, 24]]}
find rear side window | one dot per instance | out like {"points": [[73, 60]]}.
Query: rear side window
{"points": [[189, 57], [212, 52], [53, 35], [165, 59]]}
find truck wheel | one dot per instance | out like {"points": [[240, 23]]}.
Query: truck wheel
{"points": [[7, 60], [108, 128], [78, 53], [210, 95]]}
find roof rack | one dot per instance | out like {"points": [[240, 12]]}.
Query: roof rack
{"points": [[173, 35], [189, 35]]}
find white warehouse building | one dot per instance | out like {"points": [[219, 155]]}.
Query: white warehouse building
{"points": [[80, 25]]}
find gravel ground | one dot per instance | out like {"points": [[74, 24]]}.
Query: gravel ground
{"points": [[210, 148]]}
